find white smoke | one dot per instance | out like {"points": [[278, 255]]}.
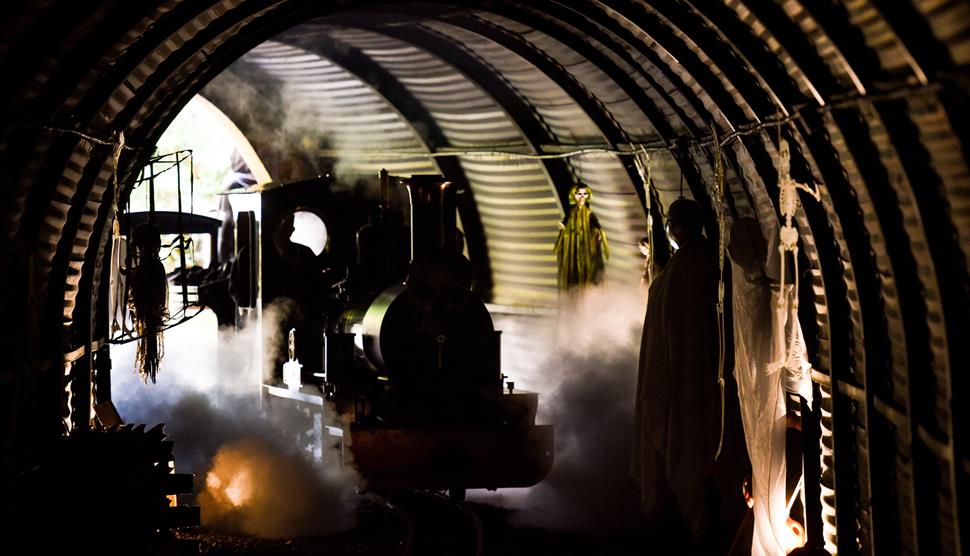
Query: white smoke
{"points": [[283, 130], [256, 471], [303, 133], [583, 363], [582, 360]]}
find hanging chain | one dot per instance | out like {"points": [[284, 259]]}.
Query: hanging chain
{"points": [[718, 191]]}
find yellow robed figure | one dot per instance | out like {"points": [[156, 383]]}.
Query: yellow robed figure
{"points": [[581, 249]]}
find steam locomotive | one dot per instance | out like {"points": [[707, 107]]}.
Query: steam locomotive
{"points": [[394, 337]]}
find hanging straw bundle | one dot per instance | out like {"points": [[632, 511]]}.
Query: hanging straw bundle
{"points": [[148, 299]]}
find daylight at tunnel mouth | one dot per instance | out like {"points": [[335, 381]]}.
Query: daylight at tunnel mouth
{"points": [[276, 270]]}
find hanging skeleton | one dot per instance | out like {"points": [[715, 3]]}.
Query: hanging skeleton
{"points": [[147, 298], [788, 203], [795, 359]]}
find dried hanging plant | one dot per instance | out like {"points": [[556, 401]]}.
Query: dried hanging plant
{"points": [[148, 299]]}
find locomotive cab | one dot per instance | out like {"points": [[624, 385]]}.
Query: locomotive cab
{"points": [[412, 363]]}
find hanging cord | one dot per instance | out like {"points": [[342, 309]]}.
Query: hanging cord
{"points": [[718, 191], [192, 198], [668, 145], [893, 91], [119, 144], [181, 230], [642, 160], [116, 158], [794, 495], [191, 184], [126, 271], [121, 296]]}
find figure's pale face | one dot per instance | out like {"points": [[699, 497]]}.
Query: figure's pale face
{"points": [[581, 195], [644, 250]]}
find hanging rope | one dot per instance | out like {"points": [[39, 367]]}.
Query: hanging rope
{"points": [[181, 231], [119, 315], [116, 159], [718, 191], [642, 160]]}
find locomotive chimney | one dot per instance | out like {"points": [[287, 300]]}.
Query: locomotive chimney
{"points": [[433, 225], [385, 179]]}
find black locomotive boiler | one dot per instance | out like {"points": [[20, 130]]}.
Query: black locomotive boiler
{"points": [[402, 346]]}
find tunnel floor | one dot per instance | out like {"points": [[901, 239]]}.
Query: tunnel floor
{"points": [[380, 532]]}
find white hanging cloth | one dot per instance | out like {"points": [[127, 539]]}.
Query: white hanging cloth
{"points": [[757, 344], [770, 360]]}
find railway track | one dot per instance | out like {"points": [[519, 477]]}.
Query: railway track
{"points": [[436, 524]]}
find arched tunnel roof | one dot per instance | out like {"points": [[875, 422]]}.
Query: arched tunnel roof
{"points": [[419, 110], [519, 100]]}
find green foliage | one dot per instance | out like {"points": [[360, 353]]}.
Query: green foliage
{"points": [[199, 129]]}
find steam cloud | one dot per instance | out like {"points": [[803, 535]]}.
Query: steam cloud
{"points": [[582, 361], [583, 364], [255, 471], [284, 131], [303, 134]]}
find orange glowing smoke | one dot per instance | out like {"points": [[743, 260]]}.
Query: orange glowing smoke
{"points": [[255, 488], [232, 490], [230, 481]]}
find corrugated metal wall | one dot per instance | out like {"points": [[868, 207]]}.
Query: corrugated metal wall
{"points": [[873, 96]]}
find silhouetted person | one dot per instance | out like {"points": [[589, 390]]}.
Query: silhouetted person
{"points": [[678, 401]]}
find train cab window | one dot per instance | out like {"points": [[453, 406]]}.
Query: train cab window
{"points": [[301, 237]]}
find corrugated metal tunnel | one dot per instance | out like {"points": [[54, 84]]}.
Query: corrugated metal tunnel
{"points": [[516, 102]]}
